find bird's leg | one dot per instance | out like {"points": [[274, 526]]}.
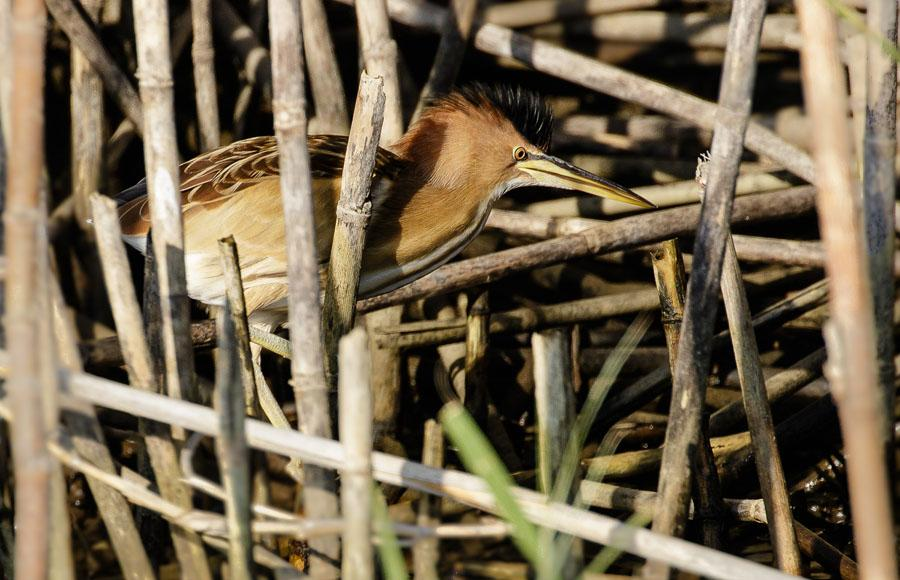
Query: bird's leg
{"points": [[269, 403]]}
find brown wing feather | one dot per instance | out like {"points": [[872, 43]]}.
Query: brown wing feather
{"points": [[211, 178]]}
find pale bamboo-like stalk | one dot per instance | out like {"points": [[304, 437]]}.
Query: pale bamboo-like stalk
{"points": [[87, 436], [464, 487], [151, 23], [426, 552], [379, 53], [231, 449], [354, 209], [61, 561], [5, 72], [850, 335], [452, 48], [87, 125], [355, 403], [130, 326], [203, 54], [554, 400], [32, 464], [324, 74], [693, 360], [879, 151], [307, 364], [854, 53], [608, 496], [82, 35], [554, 403], [759, 417]]}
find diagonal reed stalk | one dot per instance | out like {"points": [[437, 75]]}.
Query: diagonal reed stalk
{"points": [[231, 449], [135, 348]]}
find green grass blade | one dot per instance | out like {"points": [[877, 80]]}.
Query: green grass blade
{"points": [[608, 555], [479, 458], [393, 565], [596, 395], [853, 18]]}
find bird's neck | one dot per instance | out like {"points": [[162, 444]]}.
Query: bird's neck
{"points": [[417, 228], [431, 212]]}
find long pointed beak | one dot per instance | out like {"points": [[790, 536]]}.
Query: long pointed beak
{"points": [[549, 171]]}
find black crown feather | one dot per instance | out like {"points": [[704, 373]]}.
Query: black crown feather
{"points": [[525, 109]]}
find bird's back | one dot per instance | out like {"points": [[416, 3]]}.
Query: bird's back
{"points": [[235, 190]]}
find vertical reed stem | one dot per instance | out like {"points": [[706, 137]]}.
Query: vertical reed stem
{"points": [[355, 397], [307, 363], [554, 404], [668, 271], [231, 449], [379, 53], [22, 221], [879, 151], [324, 74], [554, 400], [151, 22], [452, 48], [204, 56], [234, 291], [850, 334], [87, 125], [5, 70], [426, 552], [353, 211], [478, 337]]}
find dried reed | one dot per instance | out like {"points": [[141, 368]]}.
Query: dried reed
{"points": [[308, 365]]}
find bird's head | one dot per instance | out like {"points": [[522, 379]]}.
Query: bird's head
{"points": [[493, 139]]}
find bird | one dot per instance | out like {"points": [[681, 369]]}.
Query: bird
{"points": [[431, 194]]}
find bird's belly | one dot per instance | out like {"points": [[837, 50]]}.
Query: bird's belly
{"points": [[264, 281]]}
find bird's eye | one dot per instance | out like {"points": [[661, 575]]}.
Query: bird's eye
{"points": [[519, 154]]}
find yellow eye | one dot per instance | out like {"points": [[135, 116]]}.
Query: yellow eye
{"points": [[519, 154]]}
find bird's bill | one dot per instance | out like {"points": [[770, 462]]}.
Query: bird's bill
{"points": [[549, 171]]}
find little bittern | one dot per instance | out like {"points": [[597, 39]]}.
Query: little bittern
{"points": [[431, 195]]}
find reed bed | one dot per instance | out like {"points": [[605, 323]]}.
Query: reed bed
{"points": [[587, 390]]}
